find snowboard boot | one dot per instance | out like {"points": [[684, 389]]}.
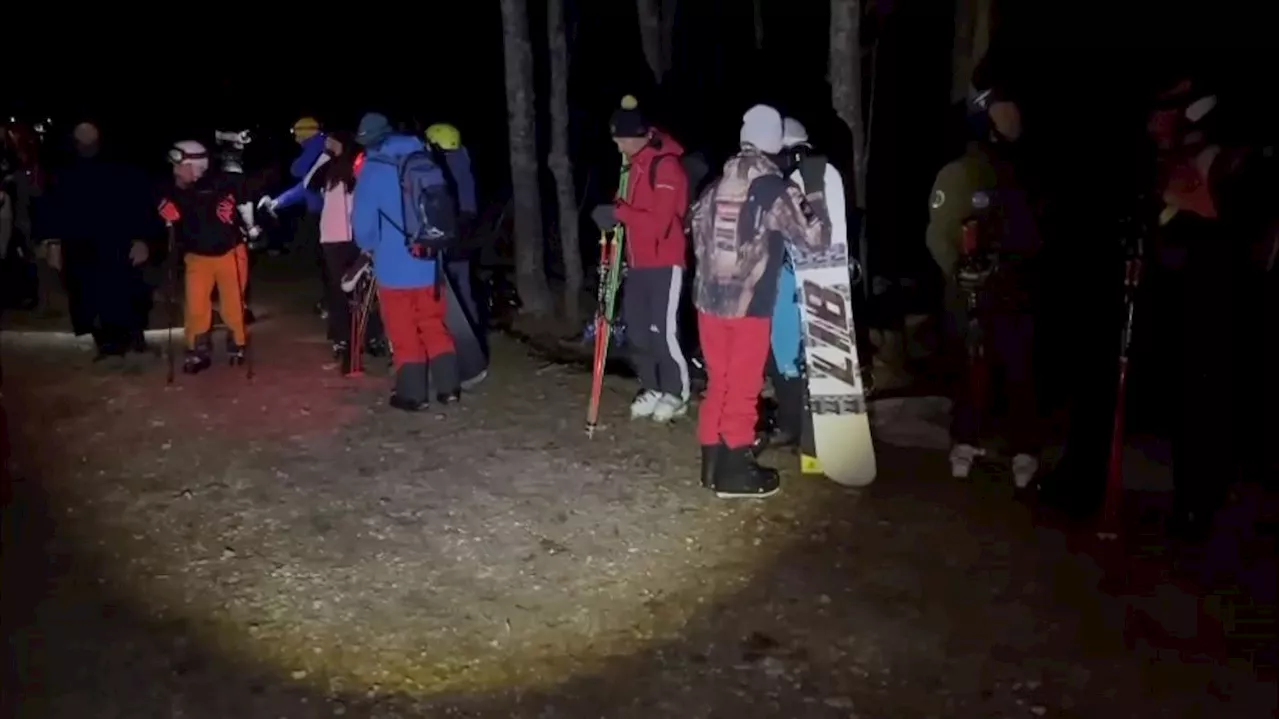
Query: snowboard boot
{"points": [[444, 377], [710, 458], [410, 393], [738, 476]]}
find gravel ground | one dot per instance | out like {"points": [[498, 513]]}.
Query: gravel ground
{"points": [[290, 547]]}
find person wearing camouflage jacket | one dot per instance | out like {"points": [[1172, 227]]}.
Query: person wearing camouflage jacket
{"points": [[741, 225]]}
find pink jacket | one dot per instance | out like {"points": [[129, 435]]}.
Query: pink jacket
{"points": [[335, 215]]}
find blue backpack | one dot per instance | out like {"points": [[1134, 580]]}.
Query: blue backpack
{"points": [[430, 214]]}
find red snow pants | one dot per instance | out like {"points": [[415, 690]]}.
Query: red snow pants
{"points": [[414, 322], [735, 350]]}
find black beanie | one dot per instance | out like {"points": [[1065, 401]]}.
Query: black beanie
{"points": [[627, 120]]}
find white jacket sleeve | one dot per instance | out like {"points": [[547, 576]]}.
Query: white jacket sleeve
{"points": [[835, 205]]}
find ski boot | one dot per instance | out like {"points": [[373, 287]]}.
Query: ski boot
{"points": [[342, 354], [196, 361], [738, 476], [376, 347], [444, 373], [237, 355], [710, 459]]}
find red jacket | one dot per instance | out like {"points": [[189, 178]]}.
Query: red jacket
{"points": [[653, 211]]}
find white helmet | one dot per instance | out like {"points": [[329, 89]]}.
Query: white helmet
{"points": [[189, 152], [793, 133]]}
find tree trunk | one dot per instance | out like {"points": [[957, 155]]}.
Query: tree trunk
{"points": [[531, 279], [650, 15], [970, 41], [757, 17], [845, 70], [668, 36], [561, 168]]}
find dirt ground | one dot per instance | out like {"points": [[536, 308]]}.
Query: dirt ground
{"points": [[291, 547]]}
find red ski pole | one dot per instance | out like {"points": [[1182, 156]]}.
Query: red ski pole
{"points": [[601, 340], [1115, 464]]}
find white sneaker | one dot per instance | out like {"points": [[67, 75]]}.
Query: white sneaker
{"points": [[669, 407], [1024, 469], [962, 456], [645, 404]]}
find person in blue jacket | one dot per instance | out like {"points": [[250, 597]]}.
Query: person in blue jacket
{"points": [[308, 135], [413, 312]]}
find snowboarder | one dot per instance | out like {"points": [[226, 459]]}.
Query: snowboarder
{"points": [[740, 226], [96, 225], [203, 207], [982, 188], [653, 213], [412, 308]]}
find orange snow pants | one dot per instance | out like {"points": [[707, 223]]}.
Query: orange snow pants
{"points": [[230, 274]]}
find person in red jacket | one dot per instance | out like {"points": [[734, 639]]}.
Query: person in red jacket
{"points": [[652, 210]]}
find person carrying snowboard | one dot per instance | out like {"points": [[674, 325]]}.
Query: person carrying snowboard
{"points": [[652, 213], [822, 184], [203, 207], [385, 222], [987, 287], [741, 225]]}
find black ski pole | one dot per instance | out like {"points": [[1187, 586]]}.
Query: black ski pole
{"points": [[171, 283]]}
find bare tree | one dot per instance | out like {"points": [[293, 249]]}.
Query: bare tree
{"points": [[531, 279], [845, 71], [561, 167], [650, 14], [969, 43], [668, 35], [757, 17]]}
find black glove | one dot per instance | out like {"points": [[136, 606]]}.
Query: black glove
{"points": [[604, 217]]}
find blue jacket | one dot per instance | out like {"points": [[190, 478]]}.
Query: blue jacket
{"points": [[377, 213], [785, 330], [312, 149], [459, 162]]}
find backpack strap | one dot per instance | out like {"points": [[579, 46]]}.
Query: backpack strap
{"points": [[653, 171]]}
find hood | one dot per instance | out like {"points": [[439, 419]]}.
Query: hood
{"points": [[396, 146], [663, 144]]}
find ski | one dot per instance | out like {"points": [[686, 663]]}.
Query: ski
{"points": [[836, 438], [610, 272]]}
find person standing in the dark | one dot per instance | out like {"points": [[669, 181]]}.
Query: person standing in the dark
{"points": [[97, 217], [983, 185]]}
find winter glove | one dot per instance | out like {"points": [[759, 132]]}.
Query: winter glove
{"points": [[169, 212], [139, 253], [605, 217]]}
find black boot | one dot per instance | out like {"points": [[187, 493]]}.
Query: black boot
{"points": [[444, 378], [710, 458], [410, 393], [195, 362], [737, 475]]}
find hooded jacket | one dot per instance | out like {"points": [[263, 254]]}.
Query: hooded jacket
{"points": [[654, 209], [377, 211], [301, 170]]}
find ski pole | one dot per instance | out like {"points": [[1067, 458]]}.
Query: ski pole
{"points": [[171, 259], [1115, 462], [241, 284]]}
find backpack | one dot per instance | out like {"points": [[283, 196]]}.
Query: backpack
{"points": [[695, 171], [430, 214]]}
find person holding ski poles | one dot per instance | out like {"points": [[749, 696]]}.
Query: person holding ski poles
{"points": [[988, 286], [741, 225], [203, 207], [652, 212], [399, 184], [456, 161]]}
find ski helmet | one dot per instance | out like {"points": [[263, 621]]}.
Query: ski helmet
{"points": [[305, 128], [793, 133], [444, 136], [189, 152]]}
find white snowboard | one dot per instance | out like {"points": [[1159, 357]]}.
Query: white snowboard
{"points": [[836, 403]]}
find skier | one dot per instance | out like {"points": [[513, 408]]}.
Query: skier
{"points": [[413, 312], [307, 133], [231, 147], [653, 214], [203, 207], [740, 227], [798, 161], [983, 186], [95, 225], [447, 141]]}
